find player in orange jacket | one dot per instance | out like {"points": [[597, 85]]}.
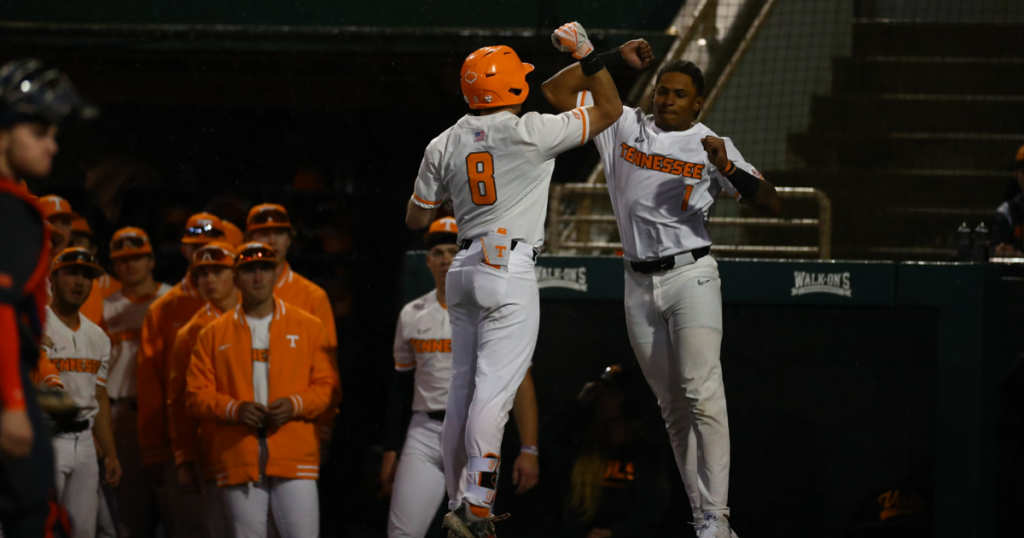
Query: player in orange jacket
{"points": [[271, 225], [159, 329], [262, 371], [192, 440]]}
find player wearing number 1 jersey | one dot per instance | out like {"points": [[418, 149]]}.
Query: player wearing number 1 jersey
{"points": [[496, 168], [663, 172]]}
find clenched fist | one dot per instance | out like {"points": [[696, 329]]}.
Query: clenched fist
{"points": [[251, 413], [715, 148], [637, 53], [571, 37]]}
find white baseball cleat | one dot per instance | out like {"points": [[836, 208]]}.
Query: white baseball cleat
{"points": [[715, 526]]}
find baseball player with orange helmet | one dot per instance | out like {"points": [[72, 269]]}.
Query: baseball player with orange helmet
{"points": [[192, 440], [123, 315], [423, 369], [262, 372], [80, 351], [496, 167], [270, 224], [159, 329]]}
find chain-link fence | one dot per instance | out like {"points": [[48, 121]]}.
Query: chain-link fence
{"points": [[907, 115]]}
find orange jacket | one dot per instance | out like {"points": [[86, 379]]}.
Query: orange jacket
{"points": [[295, 289], [220, 379], [159, 329], [102, 288], [191, 439]]}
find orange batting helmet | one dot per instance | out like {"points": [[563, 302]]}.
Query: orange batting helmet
{"points": [[494, 76]]}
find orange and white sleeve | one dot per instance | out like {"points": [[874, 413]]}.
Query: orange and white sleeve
{"points": [[46, 373], [429, 191], [405, 356], [201, 397], [313, 401]]}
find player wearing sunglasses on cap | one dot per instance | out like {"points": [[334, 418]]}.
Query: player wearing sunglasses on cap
{"points": [[123, 313], [262, 372], [271, 225], [191, 439], [80, 350], [159, 329], [105, 284]]}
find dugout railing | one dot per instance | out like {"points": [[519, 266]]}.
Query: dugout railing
{"points": [[570, 233]]}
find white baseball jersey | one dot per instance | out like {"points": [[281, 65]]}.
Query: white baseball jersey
{"points": [[423, 342], [661, 183], [497, 168], [82, 357], [259, 330], [122, 319]]}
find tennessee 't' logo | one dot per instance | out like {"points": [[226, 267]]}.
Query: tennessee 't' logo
{"points": [[292, 338]]}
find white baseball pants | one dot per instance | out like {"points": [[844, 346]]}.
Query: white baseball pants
{"points": [[494, 315], [419, 480], [674, 320], [78, 480], [293, 503]]}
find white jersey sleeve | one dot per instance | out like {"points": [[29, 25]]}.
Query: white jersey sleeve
{"points": [[605, 140], [101, 374], [405, 357], [429, 191], [554, 134]]}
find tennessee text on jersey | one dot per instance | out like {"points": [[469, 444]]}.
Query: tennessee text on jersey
{"points": [[660, 163]]}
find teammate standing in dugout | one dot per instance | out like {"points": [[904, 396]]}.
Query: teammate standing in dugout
{"points": [[496, 168], [34, 99], [270, 224], [159, 329], [80, 350], [123, 314], [192, 439], [663, 172], [423, 368], [263, 373]]}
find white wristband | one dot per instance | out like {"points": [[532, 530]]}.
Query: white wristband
{"points": [[528, 449]]}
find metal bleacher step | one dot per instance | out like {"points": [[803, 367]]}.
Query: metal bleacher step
{"points": [[918, 113], [918, 75], [878, 37], [904, 150]]}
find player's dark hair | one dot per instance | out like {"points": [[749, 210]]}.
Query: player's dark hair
{"points": [[685, 67]]}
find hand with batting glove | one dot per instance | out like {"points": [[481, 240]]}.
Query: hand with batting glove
{"points": [[572, 38]]}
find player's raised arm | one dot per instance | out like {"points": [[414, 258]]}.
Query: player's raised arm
{"points": [[755, 190], [607, 106], [562, 89]]}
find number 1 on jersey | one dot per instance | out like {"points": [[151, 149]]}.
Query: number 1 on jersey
{"points": [[686, 197], [481, 178]]}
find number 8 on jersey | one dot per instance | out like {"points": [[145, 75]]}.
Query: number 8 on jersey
{"points": [[480, 167]]}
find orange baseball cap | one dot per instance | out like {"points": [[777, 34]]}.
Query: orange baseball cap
{"points": [[77, 256], [232, 235], [253, 252], [55, 206], [202, 228], [494, 76], [81, 225], [130, 241], [267, 216], [214, 253], [442, 231]]}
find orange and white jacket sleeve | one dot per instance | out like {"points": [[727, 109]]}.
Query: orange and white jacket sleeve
{"points": [[183, 428], [310, 403], [202, 399], [152, 399]]}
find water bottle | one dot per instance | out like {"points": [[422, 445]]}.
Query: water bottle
{"points": [[964, 250], [980, 244]]}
